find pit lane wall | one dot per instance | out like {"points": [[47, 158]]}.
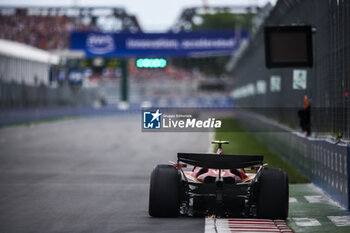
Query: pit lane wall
{"points": [[322, 160]]}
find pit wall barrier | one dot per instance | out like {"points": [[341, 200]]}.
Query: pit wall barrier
{"points": [[22, 95], [325, 162]]}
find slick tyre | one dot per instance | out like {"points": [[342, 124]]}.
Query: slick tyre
{"points": [[164, 195], [273, 194]]}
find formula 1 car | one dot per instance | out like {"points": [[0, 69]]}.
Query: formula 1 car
{"points": [[219, 184]]}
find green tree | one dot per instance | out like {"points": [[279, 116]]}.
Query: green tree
{"points": [[222, 20], [215, 66]]}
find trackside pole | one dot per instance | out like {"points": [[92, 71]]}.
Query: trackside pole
{"points": [[348, 173], [124, 87]]}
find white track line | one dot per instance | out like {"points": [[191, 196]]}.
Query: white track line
{"points": [[340, 221], [316, 199], [306, 222], [245, 226]]}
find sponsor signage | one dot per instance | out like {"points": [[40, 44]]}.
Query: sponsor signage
{"points": [[299, 79], [275, 83], [100, 44], [75, 77], [261, 86], [201, 43]]}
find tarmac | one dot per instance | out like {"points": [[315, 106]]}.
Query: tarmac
{"points": [[92, 175]]}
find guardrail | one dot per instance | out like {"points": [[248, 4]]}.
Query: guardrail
{"points": [[325, 162]]}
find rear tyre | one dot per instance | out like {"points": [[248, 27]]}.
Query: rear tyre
{"points": [[164, 195], [273, 194]]}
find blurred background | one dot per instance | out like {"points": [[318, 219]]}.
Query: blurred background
{"points": [[90, 174], [40, 71]]}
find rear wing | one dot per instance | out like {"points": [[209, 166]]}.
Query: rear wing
{"points": [[215, 161]]}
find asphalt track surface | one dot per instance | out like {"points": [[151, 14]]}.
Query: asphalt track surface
{"points": [[312, 211], [92, 175], [87, 175]]}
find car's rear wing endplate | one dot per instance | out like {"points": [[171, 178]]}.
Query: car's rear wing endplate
{"points": [[215, 161]]}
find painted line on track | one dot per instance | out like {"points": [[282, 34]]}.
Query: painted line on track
{"points": [[340, 221], [306, 222], [316, 199], [236, 225]]}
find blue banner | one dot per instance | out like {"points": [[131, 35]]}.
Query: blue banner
{"points": [[199, 43]]}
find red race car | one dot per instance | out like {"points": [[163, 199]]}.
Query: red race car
{"points": [[219, 184]]}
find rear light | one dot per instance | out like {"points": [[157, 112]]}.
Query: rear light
{"points": [[255, 168], [176, 165]]}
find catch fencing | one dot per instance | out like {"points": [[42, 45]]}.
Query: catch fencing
{"points": [[327, 82], [319, 157], [323, 161]]}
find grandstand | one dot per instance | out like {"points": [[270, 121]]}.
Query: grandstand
{"points": [[49, 28]]}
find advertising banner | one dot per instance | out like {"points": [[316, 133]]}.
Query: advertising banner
{"points": [[201, 43]]}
